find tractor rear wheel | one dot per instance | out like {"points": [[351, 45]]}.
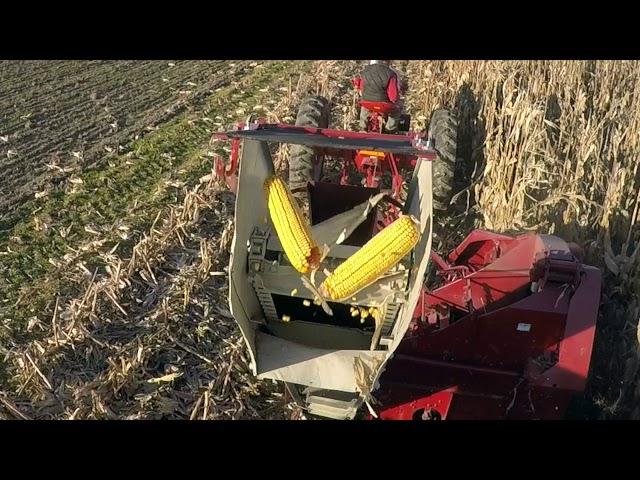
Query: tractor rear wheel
{"points": [[313, 112], [443, 129]]}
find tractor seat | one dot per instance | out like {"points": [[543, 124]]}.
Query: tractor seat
{"points": [[379, 107]]}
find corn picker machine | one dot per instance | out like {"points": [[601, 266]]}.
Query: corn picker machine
{"points": [[352, 310]]}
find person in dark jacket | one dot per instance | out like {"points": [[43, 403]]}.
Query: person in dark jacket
{"points": [[378, 82]]}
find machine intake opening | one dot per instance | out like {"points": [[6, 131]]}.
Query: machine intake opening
{"points": [[294, 308]]}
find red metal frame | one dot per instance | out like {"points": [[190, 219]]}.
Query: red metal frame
{"points": [[486, 346], [327, 132], [229, 174], [410, 146], [383, 108], [372, 166], [378, 112]]}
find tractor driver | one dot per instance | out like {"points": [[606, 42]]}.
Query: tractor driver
{"points": [[378, 82]]}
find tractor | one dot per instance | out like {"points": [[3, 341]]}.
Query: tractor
{"points": [[502, 327]]}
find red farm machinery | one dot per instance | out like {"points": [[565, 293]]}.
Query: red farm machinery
{"points": [[500, 328]]}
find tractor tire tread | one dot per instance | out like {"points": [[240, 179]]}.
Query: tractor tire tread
{"points": [[443, 128], [313, 111]]}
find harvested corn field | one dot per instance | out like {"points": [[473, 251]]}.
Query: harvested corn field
{"points": [[114, 235], [60, 117]]}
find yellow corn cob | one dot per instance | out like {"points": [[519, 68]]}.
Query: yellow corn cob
{"points": [[292, 229], [370, 262]]}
